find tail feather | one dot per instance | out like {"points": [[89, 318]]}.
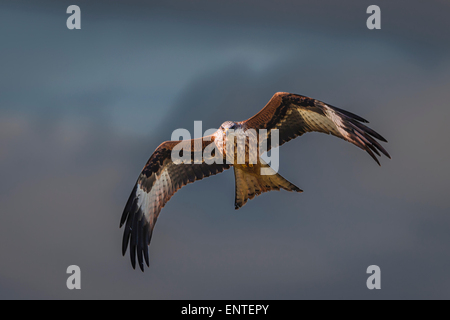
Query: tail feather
{"points": [[250, 183]]}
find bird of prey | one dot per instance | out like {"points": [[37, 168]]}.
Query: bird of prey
{"points": [[291, 114]]}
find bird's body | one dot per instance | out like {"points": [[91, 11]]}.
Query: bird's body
{"points": [[290, 114]]}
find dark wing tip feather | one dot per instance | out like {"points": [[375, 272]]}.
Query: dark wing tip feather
{"points": [[361, 135], [369, 151], [368, 130], [366, 140], [131, 201], [140, 247], [349, 114], [147, 241], [137, 233]]}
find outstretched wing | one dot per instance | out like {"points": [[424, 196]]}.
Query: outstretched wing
{"points": [[157, 183], [294, 115]]}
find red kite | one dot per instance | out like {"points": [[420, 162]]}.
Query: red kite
{"points": [[293, 115]]}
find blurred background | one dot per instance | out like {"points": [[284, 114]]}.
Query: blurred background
{"points": [[81, 111]]}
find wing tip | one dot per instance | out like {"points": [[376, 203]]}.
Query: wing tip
{"points": [[136, 235]]}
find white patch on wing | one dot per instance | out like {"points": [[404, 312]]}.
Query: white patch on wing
{"points": [[152, 202], [143, 198], [315, 121], [337, 121]]}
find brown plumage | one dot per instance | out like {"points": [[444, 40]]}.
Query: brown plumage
{"points": [[293, 115]]}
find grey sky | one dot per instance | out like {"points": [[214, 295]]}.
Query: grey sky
{"points": [[81, 111]]}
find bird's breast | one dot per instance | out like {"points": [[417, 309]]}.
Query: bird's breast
{"points": [[241, 147]]}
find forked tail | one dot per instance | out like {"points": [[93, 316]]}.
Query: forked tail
{"points": [[250, 183]]}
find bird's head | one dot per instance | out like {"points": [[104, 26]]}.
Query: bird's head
{"points": [[227, 125], [224, 131]]}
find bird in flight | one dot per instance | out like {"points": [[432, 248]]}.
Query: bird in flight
{"points": [[289, 115]]}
